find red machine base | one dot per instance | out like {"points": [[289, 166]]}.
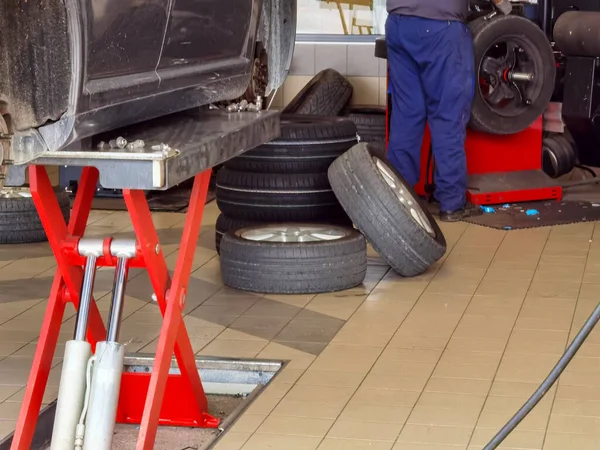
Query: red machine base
{"points": [[501, 169], [511, 187]]}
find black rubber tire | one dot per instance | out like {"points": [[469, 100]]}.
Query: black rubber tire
{"points": [[20, 222], [558, 156], [225, 224], [370, 123], [485, 33], [308, 144], [274, 197], [325, 95], [378, 213], [293, 268]]}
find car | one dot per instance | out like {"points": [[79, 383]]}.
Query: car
{"points": [[72, 69]]}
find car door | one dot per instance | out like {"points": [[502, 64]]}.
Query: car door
{"points": [[208, 40]]}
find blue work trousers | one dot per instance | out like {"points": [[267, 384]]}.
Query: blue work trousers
{"points": [[432, 78]]}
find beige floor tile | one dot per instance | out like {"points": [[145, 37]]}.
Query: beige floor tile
{"points": [[514, 389], [233, 348], [248, 423], [9, 410], [347, 358], [298, 359], [347, 444], [315, 377], [426, 434], [404, 369], [50, 394], [384, 397], [573, 424], [296, 426], [337, 396], [458, 386], [517, 439], [341, 307], [7, 427], [8, 391], [345, 429], [357, 411], [410, 355], [476, 345], [263, 405], [562, 441], [441, 417], [535, 421], [451, 401], [395, 382], [232, 440], [421, 446], [408, 340], [578, 407], [298, 408], [345, 337], [279, 442]]}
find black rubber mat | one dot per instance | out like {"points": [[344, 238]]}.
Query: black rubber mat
{"points": [[537, 214]]}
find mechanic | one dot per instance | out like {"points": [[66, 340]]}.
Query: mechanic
{"points": [[432, 78]]}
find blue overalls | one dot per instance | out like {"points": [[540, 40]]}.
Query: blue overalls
{"points": [[431, 79]]}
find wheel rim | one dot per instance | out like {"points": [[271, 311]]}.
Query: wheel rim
{"points": [[14, 192], [293, 233], [404, 195], [509, 76]]}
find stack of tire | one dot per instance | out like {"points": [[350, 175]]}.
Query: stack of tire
{"points": [[280, 202], [285, 180], [294, 258]]}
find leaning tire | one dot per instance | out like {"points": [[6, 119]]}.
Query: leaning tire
{"points": [[293, 267], [490, 38], [273, 197], [403, 232], [325, 95], [19, 220], [370, 123], [308, 144]]}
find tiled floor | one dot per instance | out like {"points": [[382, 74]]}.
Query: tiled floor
{"points": [[437, 362]]}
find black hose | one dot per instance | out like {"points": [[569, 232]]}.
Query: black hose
{"points": [[587, 169], [548, 382], [588, 181]]}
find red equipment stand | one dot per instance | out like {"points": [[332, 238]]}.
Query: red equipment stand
{"points": [[141, 399], [501, 169]]}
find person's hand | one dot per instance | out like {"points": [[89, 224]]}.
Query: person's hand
{"points": [[504, 6]]}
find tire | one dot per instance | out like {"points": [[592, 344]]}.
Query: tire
{"points": [[225, 224], [370, 123], [274, 197], [529, 37], [308, 144], [377, 212], [19, 220], [293, 267], [558, 156], [325, 95]]}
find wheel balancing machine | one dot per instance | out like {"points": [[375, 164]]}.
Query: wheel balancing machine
{"points": [[501, 168]]}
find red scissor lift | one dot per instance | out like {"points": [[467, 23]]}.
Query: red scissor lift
{"points": [[193, 145]]}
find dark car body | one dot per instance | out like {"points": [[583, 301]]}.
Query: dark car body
{"points": [[70, 69]]}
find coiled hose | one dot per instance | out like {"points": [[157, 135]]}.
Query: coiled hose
{"points": [[558, 369]]}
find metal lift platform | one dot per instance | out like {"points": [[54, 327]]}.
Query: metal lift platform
{"points": [[176, 148]]}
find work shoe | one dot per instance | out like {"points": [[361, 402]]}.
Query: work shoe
{"points": [[469, 210]]}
